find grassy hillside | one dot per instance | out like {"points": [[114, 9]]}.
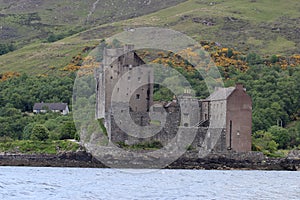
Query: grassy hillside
{"points": [[266, 26], [26, 20]]}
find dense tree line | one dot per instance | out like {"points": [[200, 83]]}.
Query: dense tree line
{"points": [[18, 125], [22, 92], [17, 97], [275, 94]]}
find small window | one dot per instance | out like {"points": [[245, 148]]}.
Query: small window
{"points": [[111, 77], [139, 78], [186, 125], [111, 66], [129, 78], [138, 96]]}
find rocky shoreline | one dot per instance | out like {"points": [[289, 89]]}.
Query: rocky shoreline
{"points": [[232, 161], [237, 162]]}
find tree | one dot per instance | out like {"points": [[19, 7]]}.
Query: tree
{"points": [[294, 133], [263, 141], [253, 58], [274, 59], [52, 38], [163, 94], [281, 136], [68, 130], [229, 53], [12, 122], [5, 48], [27, 131], [39, 132]]}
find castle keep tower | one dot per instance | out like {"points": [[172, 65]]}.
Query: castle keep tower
{"points": [[120, 76]]}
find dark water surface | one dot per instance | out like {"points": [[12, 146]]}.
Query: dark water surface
{"points": [[73, 183]]}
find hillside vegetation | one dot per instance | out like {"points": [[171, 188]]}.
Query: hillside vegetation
{"points": [[265, 27], [27, 20]]}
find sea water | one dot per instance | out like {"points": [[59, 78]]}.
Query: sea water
{"points": [[82, 183]]}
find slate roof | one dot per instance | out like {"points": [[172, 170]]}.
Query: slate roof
{"points": [[221, 94], [50, 106]]}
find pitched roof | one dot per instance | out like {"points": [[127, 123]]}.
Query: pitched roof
{"points": [[221, 94], [50, 106]]}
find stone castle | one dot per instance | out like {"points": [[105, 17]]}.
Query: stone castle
{"points": [[125, 95]]}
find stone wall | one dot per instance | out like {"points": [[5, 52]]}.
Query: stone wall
{"points": [[205, 139], [163, 133]]}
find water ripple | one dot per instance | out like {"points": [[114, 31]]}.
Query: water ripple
{"points": [[71, 183]]}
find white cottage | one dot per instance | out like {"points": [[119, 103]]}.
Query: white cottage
{"points": [[54, 107]]}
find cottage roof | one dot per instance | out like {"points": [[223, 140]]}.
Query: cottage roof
{"points": [[50, 106], [221, 94]]}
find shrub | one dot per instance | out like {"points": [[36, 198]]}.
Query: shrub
{"points": [[68, 130], [39, 132], [263, 141], [274, 59], [54, 136]]}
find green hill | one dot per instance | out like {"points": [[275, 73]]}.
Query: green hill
{"points": [[266, 27], [27, 20]]}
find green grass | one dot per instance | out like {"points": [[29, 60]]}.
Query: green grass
{"points": [[37, 58], [38, 147], [40, 18], [253, 29], [279, 46], [277, 154], [29, 22]]}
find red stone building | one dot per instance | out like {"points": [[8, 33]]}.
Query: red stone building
{"points": [[231, 109]]}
